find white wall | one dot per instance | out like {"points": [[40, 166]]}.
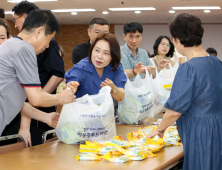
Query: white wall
{"points": [[212, 36]]}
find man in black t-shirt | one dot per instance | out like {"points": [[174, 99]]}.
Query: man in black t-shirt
{"points": [[96, 25]]}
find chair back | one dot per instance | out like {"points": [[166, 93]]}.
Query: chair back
{"points": [[44, 136], [14, 146]]}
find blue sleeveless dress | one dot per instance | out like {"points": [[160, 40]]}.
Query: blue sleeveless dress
{"points": [[197, 95]]}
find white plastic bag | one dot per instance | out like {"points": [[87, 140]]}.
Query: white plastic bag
{"points": [[138, 101], [89, 118], [161, 94], [171, 72]]}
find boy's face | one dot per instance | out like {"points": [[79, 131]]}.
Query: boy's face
{"points": [[133, 40]]}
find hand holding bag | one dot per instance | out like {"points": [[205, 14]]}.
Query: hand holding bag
{"points": [[138, 102], [90, 118]]}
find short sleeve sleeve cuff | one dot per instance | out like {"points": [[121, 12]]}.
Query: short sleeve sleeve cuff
{"points": [[183, 90]]}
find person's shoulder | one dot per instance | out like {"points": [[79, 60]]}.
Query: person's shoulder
{"points": [[83, 64], [20, 42], [54, 42], [123, 52], [187, 66], [81, 46], [143, 52], [22, 45], [120, 67]]}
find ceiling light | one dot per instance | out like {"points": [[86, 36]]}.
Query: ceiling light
{"points": [[191, 8], [132, 9], [9, 12], [171, 11], [137, 12], [73, 10], [74, 13], [105, 12], [207, 11], [16, 1]]}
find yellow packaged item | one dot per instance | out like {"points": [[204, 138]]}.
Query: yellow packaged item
{"points": [[167, 86], [118, 138], [172, 142], [88, 157], [88, 151], [147, 130], [92, 143], [139, 139], [139, 157], [117, 143], [154, 145], [132, 151], [103, 150], [150, 154], [113, 158]]}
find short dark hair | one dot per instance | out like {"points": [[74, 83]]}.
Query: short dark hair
{"points": [[2, 13], [188, 29], [157, 43], [211, 51], [114, 48], [41, 17], [24, 7], [99, 21], [4, 24], [132, 27]]}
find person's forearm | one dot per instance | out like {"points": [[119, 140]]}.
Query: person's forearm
{"points": [[153, 71], [25, 122], [30, 112], [38, 97], [159, 69], [172, 63], [129, 74], [154, 75], [52, 84], [168, 119], [119, 95]]}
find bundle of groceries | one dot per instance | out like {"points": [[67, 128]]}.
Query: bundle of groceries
{"points": [[136, 148]]}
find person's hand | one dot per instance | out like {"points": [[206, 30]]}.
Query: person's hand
{"points": [[108, 82], [52, 119], [163, 63], [154, 133], [151, 69], [139, 68], [67, 96], [73, 85], [25, 133]]}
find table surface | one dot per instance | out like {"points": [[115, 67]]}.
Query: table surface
{"points": [[59, 156]]}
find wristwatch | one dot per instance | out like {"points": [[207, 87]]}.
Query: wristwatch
{"points": [[114, 90]]}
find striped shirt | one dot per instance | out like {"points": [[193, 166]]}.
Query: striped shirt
{"points": [[129, 61]]}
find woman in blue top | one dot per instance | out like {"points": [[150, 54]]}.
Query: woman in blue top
{"points": [[101, 68], [195, 101]]}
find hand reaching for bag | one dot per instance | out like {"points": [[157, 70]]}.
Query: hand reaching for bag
{"points": [[139, 68], [163, 63], [52, 119], [73, 85], [108, 82], [151, 69]]}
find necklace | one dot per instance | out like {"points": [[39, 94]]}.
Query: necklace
{"points": [[155, 61]]}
